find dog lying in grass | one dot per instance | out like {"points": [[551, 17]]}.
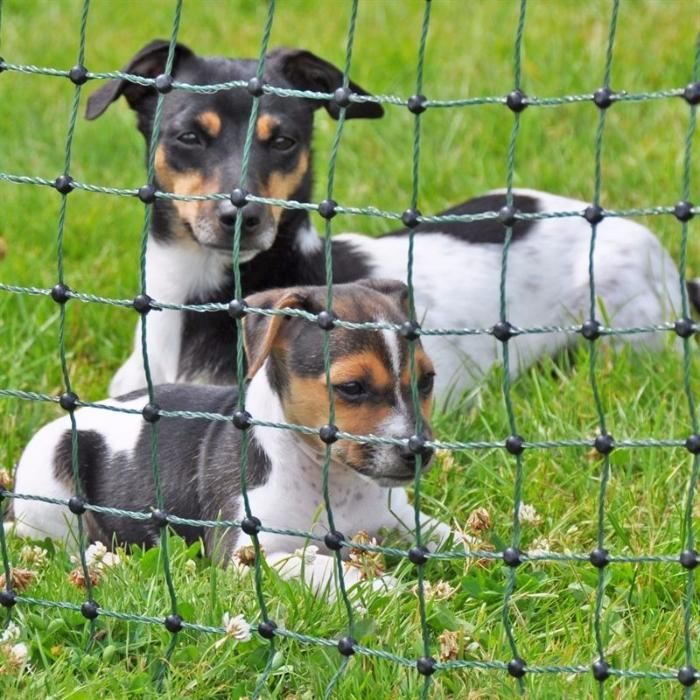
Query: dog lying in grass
{"points": [[200, 460], [457, 270]]}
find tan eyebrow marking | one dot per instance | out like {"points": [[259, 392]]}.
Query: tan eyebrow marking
{"points": [[210, 122], [265, 126]]}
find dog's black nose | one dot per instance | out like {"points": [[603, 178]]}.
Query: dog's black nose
{"points": [[252, 218], [408, 452]]}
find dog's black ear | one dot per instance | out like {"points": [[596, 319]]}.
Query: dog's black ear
{"points": [[306, 71], [263, 333], [394, 289], [149, 62]]}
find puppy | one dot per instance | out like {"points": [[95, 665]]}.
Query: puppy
{"points": [[200, 459], [457, 266]]}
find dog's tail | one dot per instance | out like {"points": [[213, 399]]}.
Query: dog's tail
{"points": [[693, 287]]}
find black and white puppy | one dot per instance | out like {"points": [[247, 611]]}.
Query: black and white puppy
{"points": [[199, 459], [457, 265]]}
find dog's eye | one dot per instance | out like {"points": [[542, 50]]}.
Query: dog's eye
{"points": [[351, 390], [189, 138], [282, 143], [425, 383]]}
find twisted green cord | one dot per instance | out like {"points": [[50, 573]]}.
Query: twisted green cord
{"points": [[328, 264], [687, 352], [517, 496], [415, 399], [605, 475]]}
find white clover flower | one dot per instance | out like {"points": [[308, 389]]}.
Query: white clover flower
{"points": [[97, 557], [33, 555], [190, 567], [540, 546], [236, 627], [441, 590], [18, 654], [307, 554], [11, 633], [528, 515]]}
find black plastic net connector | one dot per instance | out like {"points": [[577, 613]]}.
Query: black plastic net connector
{"points": [[334, 540], [590, 329], [159, 517], [599, 557], [687, 676], [251, 525], [90, 609], [683, 211], [503, 331], [147, 194], [76, 505], [64, 183], [601, 670], [68, 401], [506, 215], [346, 646], [410, 218], [692, 444], [418, 555], [151, 412], [7, 598], [512, 557], [417, 104], [78, 75], [515, 444], [326, 320], [342, 96], [327, 208], [173, 623], [604, 444], [691, 94], [603, 97], [267, 629], [164, 83], [594, 214], [516, 667], [255, 87], [328, 433], [60, 293], [516, 101], [689, 559], [237, 308], [417, 445], [142, 303], [426, 665], [684, 327], [410, 330], [239, 197], [242, 419]]}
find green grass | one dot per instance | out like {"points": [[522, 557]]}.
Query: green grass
{"points": [[470, 49]]}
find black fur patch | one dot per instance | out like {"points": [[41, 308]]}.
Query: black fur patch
{"points": [[489, 231], [92, 450]]}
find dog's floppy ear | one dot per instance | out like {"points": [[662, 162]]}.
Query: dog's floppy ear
{"points": [[149, 62], [306, 71], [262, 333], [394, 289]]}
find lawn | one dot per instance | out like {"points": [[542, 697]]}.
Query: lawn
{"points": [[464, 149]]}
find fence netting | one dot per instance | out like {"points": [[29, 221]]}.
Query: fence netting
{"points": [[512, 555]]}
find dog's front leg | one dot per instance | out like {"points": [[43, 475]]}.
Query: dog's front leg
{"points": [[319, 572]]}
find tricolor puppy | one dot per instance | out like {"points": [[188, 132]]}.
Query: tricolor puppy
{"points": [[200, 460], [457, 266]]}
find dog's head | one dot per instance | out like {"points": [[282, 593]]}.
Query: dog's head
{"points": [[369, 372], [202, 135]]}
